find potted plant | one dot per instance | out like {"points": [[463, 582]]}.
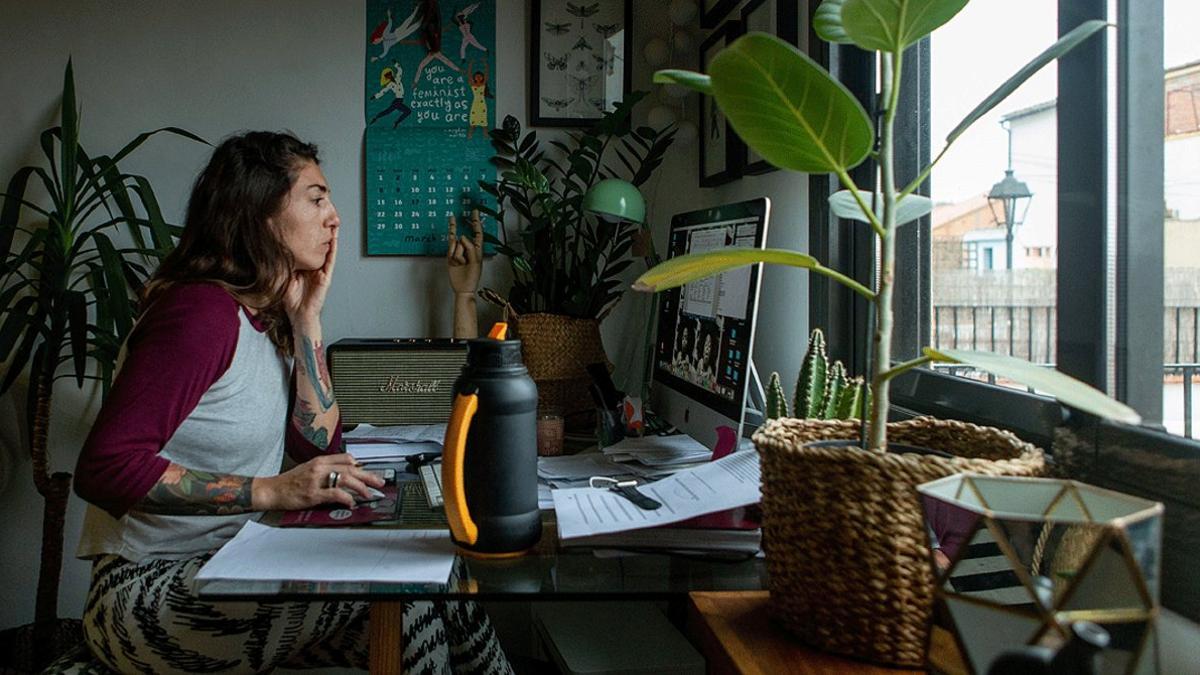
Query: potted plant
{"points": [[845, 543], [567, 261], [67, 296]]}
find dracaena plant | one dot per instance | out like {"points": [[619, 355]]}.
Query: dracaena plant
{"points": [[796, 115], [565, 260], [68, 289]]}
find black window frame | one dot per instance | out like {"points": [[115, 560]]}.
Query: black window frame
{"points": [[1143, 461]]}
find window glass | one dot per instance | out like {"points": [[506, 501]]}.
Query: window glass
{"points": [[1181, 234], [994, 259]]}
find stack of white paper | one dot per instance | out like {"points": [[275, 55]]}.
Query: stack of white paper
{"points": [[368, 442], [727, 483], [400, 433], [262, 553]]}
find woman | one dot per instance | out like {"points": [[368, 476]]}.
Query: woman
{"points": [[189, 443], [431, 39], [479, 93]]}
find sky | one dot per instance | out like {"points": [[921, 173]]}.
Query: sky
{"points": [[978, 50]]}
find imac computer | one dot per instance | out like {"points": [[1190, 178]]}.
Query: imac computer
{"points": [[703, 373]]}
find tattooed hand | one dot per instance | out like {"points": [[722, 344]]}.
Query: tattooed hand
{"points": [[306, 485], [306, 290]]}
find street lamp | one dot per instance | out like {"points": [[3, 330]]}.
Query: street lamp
{"points": [[1009, 199]]}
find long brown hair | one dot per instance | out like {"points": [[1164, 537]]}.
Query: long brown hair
{"points": [[227, 237]]}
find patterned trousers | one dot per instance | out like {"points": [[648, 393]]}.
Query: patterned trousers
{"points": [[146, 618]]}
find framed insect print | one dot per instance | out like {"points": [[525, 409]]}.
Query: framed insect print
{"points": [[713, 12], [779, 18], [580, 60], [722, 153]]}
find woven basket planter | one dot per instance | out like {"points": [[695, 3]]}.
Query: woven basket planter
{"points": [[557, 350], [847, 554]]}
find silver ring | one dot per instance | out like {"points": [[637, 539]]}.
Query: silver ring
{"points": [[332, 481]]}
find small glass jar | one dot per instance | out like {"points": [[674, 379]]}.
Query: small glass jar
{"points": [[549, 433]]}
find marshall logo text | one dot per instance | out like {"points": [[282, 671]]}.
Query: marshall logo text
{"points": [[398, 385]]}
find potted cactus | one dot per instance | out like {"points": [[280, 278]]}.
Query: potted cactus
{"points": [[823, 392], [846, 551]]}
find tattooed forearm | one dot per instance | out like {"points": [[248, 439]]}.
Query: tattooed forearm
{"points": [[314, 367], [303, 417], [186, 492]]}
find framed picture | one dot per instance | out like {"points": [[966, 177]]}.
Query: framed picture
{"points": [[781, 19], [722, 153], [713, 12], [580, 60]]}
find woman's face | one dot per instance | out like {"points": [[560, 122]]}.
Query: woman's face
{"points": [[308, 221]]}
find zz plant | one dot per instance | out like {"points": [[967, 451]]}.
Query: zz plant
{"points": [[68, 289], [797, 116], [565, 260]]}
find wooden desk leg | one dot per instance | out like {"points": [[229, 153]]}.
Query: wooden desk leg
{"points": [[387, 639]]}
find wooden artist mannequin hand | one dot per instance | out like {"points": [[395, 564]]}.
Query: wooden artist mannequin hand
{"points": [[464, 260]]}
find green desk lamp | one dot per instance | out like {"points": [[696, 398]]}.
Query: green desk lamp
{"points": [[616, 199]]}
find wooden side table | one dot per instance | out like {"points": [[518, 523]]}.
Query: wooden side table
{"points": [[734, 633]]}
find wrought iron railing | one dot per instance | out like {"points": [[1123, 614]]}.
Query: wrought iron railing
{"points": [[1027, 331]]}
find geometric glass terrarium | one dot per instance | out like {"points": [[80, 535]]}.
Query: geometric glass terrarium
{"points": [[1017, 560]]}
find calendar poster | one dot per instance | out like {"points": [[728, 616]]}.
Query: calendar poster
{"points": [[429, 103]]}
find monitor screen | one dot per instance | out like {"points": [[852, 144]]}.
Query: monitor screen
{"points": [[706, 328]]}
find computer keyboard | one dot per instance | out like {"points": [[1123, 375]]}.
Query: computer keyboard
{"points": [[431, 476]]}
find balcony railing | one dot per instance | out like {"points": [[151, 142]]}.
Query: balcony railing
{"points": [[1026, 331]]}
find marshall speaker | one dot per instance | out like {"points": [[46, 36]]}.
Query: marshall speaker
{"points": [[395, 380]]}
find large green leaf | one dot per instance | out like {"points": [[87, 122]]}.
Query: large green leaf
{"points": [[685, 78], [688, 268], [111, 185], [10, 212], [892, 25], [827, 21], [908, 209], [786, 107], [17, 320], [154, 217], [118, 298], [1064, 44], [33, 328], [1044, 380], [70, 143]]}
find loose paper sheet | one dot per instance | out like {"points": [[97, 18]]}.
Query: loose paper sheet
{"points": [[729, 482], [398, 433], [262, 553]]}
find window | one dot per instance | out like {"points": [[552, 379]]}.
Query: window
{"points": [[1105, 283], [1181, 219], [1010, 308]]}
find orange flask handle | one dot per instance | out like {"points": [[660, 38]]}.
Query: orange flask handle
{"points": [[461, 525]]}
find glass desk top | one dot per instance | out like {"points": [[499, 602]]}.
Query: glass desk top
{"points": [[548, 571]]}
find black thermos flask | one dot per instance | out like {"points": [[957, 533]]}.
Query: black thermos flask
{"points": [[489, 465]]}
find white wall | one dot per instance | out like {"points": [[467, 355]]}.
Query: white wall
{"points": [[783, 303], [223, 66]]}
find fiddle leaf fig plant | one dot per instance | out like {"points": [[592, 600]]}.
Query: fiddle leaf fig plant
{"points": [[797, 116]]}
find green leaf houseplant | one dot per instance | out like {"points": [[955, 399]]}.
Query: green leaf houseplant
{"points": [[566, 262], [846, 548], [68, 293]]}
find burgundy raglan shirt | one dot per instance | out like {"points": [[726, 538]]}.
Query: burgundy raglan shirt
{"points": [[201, 385]]}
